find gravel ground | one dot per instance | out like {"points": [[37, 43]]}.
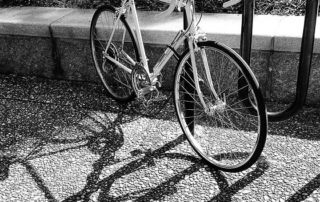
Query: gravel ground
{"points": [[66, 141]]}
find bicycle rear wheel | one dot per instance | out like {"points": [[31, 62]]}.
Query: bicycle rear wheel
{"points": [[227, 136], [123, 49]]}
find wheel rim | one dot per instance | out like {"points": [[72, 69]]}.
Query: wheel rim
{"points": [[227, 137], [115, 80]]}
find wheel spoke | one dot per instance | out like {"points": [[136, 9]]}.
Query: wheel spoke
{"points": [[116, 81]]}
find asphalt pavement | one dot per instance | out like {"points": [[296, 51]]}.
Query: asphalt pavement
{"points": [[67, 141]]}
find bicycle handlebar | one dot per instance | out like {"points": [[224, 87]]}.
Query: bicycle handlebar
{"points": [[166, 1], [174, 3], [230, 3], [171, 8]]}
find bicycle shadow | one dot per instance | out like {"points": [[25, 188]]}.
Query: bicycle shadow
{"points": [[165, 188], [94, 183], [98, 133], [105, 141]]}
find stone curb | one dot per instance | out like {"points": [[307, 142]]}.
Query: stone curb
{"points": [[271, 33]]}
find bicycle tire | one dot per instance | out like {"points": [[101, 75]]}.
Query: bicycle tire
{"points": [[116, 81], [230, 144]]}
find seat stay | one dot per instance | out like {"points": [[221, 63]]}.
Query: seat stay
{"points": [[138, 35], [113, 30]]}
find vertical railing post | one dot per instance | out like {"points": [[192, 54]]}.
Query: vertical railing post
{"points": [[305, 60], [246, 30], [245, 49], [306, 53]]}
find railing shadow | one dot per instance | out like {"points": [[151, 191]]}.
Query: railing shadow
{"points": [[301, 126], [227, 191], [306, 190], [39, 181]]}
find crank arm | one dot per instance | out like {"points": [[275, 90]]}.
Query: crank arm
{"points": [[146, 90]]}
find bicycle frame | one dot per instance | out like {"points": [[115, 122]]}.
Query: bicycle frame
{"points": [[190, 34], [127, 6]]}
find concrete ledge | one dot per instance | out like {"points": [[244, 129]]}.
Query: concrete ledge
{"points": [[271, 33], [27, 47], [29, 21]]}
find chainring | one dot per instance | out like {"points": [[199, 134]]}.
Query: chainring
{"points": [[141, 84]]}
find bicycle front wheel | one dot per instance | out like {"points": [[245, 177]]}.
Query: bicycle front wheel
{"points": [[106, 28], [223, 131]]}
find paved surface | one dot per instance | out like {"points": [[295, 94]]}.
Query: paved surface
{"points": [[66, 141]]}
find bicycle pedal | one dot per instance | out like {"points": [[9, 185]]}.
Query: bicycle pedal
{"points": [[160, 98]]}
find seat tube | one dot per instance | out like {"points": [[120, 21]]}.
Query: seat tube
{"points": [[139, 36]]}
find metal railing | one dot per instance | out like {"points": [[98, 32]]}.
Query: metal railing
{"points": [[306, 53]]}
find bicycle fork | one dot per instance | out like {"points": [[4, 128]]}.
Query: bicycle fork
{"points": [[210, 108]]}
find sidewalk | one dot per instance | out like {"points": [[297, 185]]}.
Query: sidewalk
{"points": [[69, 142]]}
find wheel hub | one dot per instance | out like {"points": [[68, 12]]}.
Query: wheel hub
{"points": [[218, 107]]}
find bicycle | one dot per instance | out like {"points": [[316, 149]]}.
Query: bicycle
{"points": [[211, 83]]}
